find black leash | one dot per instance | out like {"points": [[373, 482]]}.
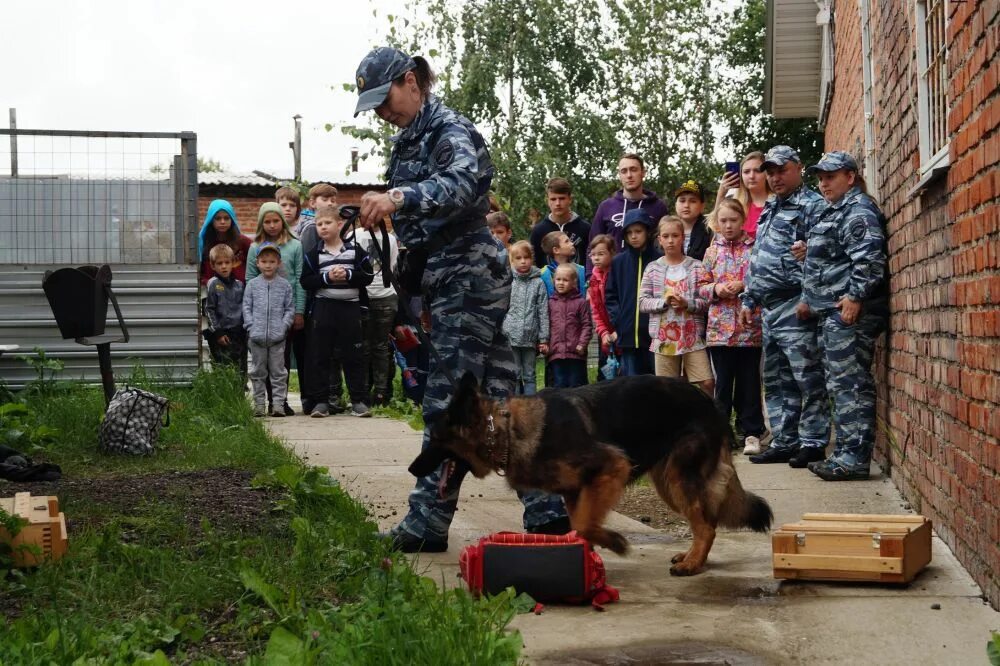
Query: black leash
{"points": [[350, 216]]}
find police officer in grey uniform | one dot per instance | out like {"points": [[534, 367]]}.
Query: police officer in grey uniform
{"points": [[439, 177], [794, 389], [845, 285]]}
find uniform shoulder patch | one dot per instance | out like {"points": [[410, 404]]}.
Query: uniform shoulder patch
{"points": [[443, 155], [857, 228]]}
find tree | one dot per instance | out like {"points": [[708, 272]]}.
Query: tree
{"points": [[205, 165], [748, 128], [561, 88]]}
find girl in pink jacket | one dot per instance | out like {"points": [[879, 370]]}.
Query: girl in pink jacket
{"points": [[733, 347], [671, 293], [570, 330]]}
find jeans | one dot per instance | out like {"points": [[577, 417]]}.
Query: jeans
{"points": [[737, 384], [569, 372], [524, 358], [636, 362]]}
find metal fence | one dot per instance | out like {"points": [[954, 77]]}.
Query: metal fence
{"points": [[127, 199]]}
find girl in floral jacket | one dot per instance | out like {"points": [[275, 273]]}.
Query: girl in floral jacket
{"points": [[733, 347], [671, 293]]}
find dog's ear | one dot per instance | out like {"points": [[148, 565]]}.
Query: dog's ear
{"points": [[466, 399], [428, 461]]}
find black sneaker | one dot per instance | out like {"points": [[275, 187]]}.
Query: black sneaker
{"points": [[287, 410], [360, 409], [834, 471], [806, 455], [773, 455], [557, 526], [405, 542], [320, 411], [337, 407]]}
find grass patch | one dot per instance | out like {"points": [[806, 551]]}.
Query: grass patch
{"points": [[180, 557]]}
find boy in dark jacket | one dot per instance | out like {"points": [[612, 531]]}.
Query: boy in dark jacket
{"points": [[561, 217], [621, 294], [268, 312], [335, 274], [689, 204], [224, 312]]}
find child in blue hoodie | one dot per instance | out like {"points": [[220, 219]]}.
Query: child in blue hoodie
{"points": [[621, 294], [220, 226]]}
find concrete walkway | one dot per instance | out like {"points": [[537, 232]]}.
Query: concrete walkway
{"points": [[733, 613]]}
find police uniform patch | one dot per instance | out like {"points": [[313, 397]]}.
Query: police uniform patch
{"points": [[857, 229], [443, 154]]}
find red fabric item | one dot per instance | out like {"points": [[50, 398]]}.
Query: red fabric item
{"points": [[470, 563], [406, 339], [595, 292], [753, 215]]}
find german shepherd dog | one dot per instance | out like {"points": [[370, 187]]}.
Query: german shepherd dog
{"points": [[588, 443]]}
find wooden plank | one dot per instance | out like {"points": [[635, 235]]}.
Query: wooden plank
{"points": [[865, 517], [836, 543], [839, 563], [845, 528]]}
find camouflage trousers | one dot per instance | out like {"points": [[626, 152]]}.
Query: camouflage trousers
{"points": [[847, 358], [465, 328], [794, 388]]}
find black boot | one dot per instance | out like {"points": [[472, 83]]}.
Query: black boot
{"points": [[806, 455], [557, 526], [405, 542], [773, 455]]}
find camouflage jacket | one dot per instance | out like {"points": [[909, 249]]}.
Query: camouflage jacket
{"points": [[845, 253], [441, 164], [774, 272]]}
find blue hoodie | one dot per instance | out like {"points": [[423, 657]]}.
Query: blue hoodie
{"points": [[213, 208], [207, 240], [621, 292]]}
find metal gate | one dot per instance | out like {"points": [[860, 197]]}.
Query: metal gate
{"points": [[127, 199]]}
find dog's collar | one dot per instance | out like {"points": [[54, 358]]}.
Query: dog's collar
{"points": [[499, 463]]}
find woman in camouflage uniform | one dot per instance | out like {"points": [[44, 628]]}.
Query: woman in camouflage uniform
{"points": [[845, 285], [439, 177]]}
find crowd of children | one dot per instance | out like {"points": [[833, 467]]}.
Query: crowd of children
{"points": [[660, 295]]}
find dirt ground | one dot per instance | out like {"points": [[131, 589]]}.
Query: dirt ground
{"points": [[640, 502], [221, 496]]}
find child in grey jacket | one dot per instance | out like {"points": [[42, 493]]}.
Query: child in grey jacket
{"points": [[223, 308], [527, 322], [268, 313]]}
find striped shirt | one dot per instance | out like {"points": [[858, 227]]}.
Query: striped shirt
{"points": [[337, 291]]}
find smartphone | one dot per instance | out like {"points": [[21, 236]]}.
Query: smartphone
{"points": [[732, 167]]}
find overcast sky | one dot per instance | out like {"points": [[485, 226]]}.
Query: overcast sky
{"points": [[234, 72]]}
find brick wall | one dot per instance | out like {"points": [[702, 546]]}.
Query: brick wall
{"points": [[246, 207], [938, 370]]}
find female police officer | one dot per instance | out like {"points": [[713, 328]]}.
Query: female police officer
{"points": [[845, 285], [439, 174]]}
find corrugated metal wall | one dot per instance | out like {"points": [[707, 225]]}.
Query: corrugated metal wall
{"points": [[159, 303]]}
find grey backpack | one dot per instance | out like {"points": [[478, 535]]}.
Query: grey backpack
{"points": [[132, 422]]}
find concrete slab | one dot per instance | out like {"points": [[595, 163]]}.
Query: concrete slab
{"points": [[734, 613]]}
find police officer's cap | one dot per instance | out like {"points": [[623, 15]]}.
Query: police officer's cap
{"points": [[376, 73], [779, 156], [834, 161]]}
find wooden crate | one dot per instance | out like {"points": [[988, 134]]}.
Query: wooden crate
{"points": [[46, 528], [857, 547]]}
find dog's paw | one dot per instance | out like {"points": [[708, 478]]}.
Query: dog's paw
{"points": [[679, 557], [617, 543], [684, 570]]}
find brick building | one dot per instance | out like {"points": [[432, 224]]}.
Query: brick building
{"points": [[247, 192], [910, 87]]}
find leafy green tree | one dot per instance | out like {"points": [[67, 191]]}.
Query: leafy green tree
{"points": [[747, 127]]}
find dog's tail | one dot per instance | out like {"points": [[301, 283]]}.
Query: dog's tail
{"points": [[741, 509]]}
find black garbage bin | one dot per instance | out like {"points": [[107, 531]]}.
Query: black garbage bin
{"points": [[79, 301]]}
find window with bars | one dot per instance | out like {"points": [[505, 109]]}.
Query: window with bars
{"points": [[867, 67], [932, 91]]}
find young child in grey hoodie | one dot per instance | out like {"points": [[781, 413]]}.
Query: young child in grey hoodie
{"points": [[268, 313], [527, 322]]}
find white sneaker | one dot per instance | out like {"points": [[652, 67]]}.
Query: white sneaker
{"points": [[751, 446]]}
